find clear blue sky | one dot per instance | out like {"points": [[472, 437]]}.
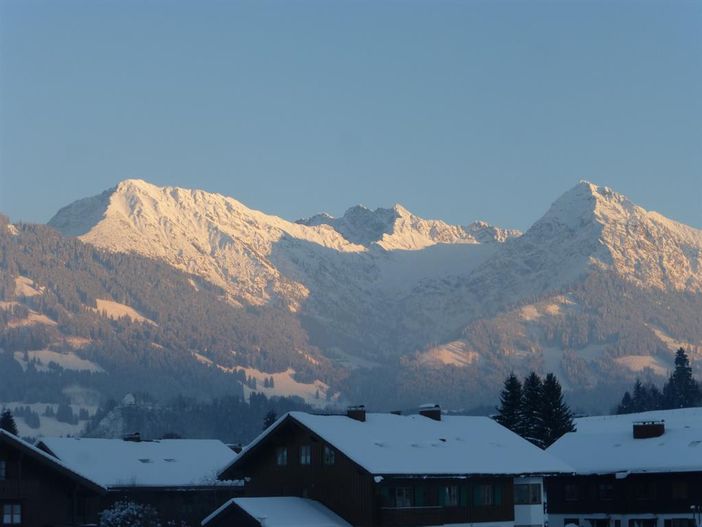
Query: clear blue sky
{"points": [[460, 110]]}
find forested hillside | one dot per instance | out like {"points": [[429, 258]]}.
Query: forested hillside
{"points": [[58, 325]]}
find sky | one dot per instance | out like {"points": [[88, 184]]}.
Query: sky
{"points": [[459, 110]]}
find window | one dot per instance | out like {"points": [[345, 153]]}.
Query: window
{"points": [[281, 456], [3, 469], [571, 492], [329, 455], [644, 522], [527, 494], [449, 496], [606, 491], [11, 514], [483, 494], [679, 490], [403, 497], [305, 454], [644, 491], [679, 522]]}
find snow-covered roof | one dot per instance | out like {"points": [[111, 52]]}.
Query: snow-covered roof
{"points": [[44, 457], [283, 512], [606, 444], [164, 463], [390, 444]]}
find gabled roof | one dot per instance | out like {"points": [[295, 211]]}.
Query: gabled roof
{"points": [[606, 445], [115, 463], [50, 461], [283, 512], [389, 444]]}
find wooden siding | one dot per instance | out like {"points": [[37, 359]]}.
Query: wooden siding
{"points": [[343, 487], [46, 497], [635, 494]]}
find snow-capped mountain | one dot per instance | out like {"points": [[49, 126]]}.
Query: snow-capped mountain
{"points": [[597, 290], [398, 228], [341, 273], [588, 229]]}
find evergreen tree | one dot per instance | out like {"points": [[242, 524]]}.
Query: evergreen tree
{"points": [[642, 398], [681, 390], [510, 410], [269, 419], [626, 406], [556, 418], [7, 422], [532, 396]]}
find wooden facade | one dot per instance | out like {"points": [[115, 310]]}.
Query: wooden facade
{"points": [[637, 500], [293, 461], [36, 490]]}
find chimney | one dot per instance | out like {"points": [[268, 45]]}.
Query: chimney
{"points": [[432, 411], [648, 429], [134, 437], [357, 412]]}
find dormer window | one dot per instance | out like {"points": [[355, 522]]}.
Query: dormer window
{"points": [[3, 470]]}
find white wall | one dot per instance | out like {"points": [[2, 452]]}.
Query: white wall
{"points": [[529, 514]]}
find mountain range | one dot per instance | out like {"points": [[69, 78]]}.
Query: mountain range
{"points": [[377, 306]]}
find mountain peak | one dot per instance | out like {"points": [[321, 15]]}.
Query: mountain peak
{"points": [[587, 202]]}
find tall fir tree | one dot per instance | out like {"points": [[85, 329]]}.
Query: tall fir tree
{"points": [[556, 417], [532, 396], [510, 410], [7, 422], [681, 390]]}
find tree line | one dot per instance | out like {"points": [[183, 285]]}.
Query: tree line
{"points": [[681, 390]]}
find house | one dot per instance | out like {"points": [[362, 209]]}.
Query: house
{"points": [[178, 477], [389, 469], [36, 489], [636, 470], [273, 512], [69, 481]]}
